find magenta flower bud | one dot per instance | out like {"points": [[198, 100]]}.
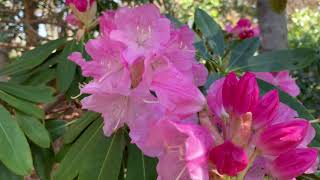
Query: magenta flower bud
{"points": [[282, 137], [266, 109], [229, 158], [247, 94], [244, 23], [81, 5], [293, 163], [228, 91]]}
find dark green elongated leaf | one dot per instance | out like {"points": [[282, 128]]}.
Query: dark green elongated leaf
{"points": [[15, 151], [63, 151], [93, 156], [41, 73], [78, 126], [202, 51], [34, 130], [294, 104], [42, 78], [105, 162], [6, 174], [279, 60], [243, 51], [66, 68], [23, 106], [43, 161], [174, 20], [30, 93], [212, 78], [56, 128], [210, 30], [140, 166], [33, 58]]}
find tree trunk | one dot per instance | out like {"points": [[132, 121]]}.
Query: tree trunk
{"points": [[273, 27], [31, 29]]}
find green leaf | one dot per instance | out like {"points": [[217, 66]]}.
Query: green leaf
{"points": [[15, 151], [294, 104], [243, 51], [211, 79], [34, 130], [78, 125], [93, 156], [210, 30], [174, 20], [140, 166], [43, 161], [279, 60], [23, 106], [66, 69], [6, 174], [202, 51], [33, 58], [37, 94], [42, 77], [56, 128]]}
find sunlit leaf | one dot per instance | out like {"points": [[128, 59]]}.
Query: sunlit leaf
{"points": [[15, 151]]}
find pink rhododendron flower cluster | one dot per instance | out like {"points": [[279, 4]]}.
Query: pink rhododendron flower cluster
{"points": [[243, 29], [145, 75], [143, 69]]}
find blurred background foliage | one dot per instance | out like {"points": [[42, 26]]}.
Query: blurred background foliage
{"points": [[25, 24]]}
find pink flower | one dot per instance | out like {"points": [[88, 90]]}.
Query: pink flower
{"points": [[180, 48], [83, 10], [72, 20], [265, 128], [107, 67], [243, 29], [200, 74], [185, 150], [282, 80], [120, 109], [266, 110], [81, 5], [107, 23], [293, 163], [176, 93], [229, 158], [282, 137], [240, 96], [214, 98], [142, 33]]}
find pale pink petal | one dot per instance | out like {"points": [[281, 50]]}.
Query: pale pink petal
{"points": [[180, 49], [285, 113], [214, 97], [258, 170], [287, 83], [106, 22], [311, 133], [176, 93], [200, 74], [142, 30]]}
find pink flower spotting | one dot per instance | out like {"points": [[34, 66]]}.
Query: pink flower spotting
{"points": [[243, 29], [144, 75]]}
